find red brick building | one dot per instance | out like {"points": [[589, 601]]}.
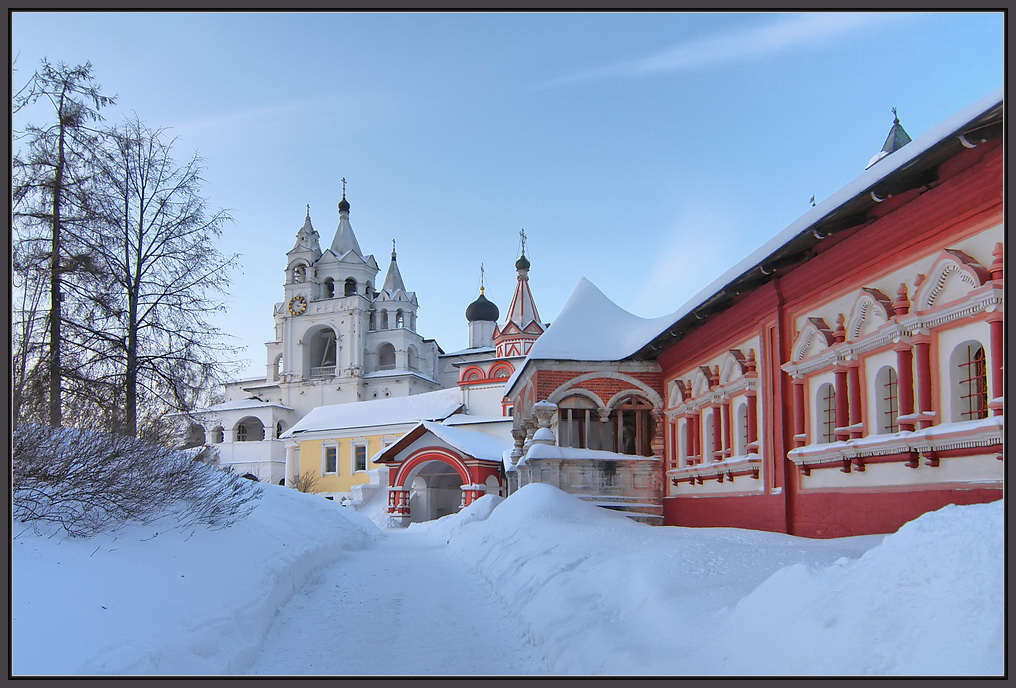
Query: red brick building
{"points": [[843, 379]]}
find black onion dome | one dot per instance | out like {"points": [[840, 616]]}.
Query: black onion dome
{"points": [[343, 204], [522, 263], [482, 309]]}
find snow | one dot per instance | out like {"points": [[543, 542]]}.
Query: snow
{"points": [[160, 600], [465, 419], [578, 332], [540, 583], [241, 404], [550, 451], [393, 411], [476, 444]]}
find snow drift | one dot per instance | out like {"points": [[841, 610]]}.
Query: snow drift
{"points": [[158, 599], [605, 595]]}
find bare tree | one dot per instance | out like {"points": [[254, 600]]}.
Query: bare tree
{"points": [[305, 482], [50, 174], [155, 243]]}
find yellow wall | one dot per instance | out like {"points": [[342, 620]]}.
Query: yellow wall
{"points": [[312, 460]]}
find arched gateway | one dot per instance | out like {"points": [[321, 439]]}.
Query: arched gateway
{"points": [[434, 471]]}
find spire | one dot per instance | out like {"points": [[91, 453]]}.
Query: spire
{"points": [[896, 139], [393, 280], [307, 236], [522, 310], [344, 240]]}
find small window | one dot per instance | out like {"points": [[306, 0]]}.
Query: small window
{"points": [[360, 457], [331, 460], [742, 429], [826, 413], [329, 288], [970, 382], [887, 387], [350, 287]]}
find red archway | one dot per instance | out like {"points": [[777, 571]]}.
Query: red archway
{"points": [[472, 474]]}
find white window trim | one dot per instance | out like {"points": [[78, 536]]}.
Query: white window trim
{"points": [[352, 456], [324, 458]]}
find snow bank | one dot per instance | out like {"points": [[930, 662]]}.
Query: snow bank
{"points": [[605, 595], [155, 599]]}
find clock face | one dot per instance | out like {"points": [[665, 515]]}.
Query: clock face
{"points": [[297, 305]]}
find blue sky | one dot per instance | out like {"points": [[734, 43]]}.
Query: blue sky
{"points": [[647, 152]]}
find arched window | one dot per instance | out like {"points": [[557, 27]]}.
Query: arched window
{"points": [[400, 319], [383, 321], [300, 273], [321, 354], [350, 287], [250, 429], [578, 423], [969, 387], [888, 401], [372, 324], [386, 357], [412, 358], [279, 429], [217, 434], [685, 441], [329, 288], [368, 291], [633, 426], [277, 368], [825, 412]]}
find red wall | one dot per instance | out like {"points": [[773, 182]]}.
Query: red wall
{"points": [[840, 514], [967, 200], [820, 514]]}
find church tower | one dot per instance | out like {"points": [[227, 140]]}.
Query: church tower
{"points": [[522, 324], [338, 338]]}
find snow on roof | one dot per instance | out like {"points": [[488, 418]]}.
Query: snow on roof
{"points": [[549, 451], [591, 327], [473, 350], [393, 411], [397, 372], [242, 404], [466, 419], [582, 319], [479, 445]]}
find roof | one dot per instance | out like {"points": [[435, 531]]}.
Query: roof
{"points": [[242, 404], [466, 419], [397, 372], [550, 451], [393, 280], [473, 443], [909, 167], [591, 327], [912, 166], [392, 411], [345, 240]]}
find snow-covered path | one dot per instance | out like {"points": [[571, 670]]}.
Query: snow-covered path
{"points": [[401, 607]]}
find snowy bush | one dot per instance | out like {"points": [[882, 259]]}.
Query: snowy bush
{"points": [[87, 482]]}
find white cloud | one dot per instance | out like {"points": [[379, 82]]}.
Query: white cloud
{"points": [[788, 33]]}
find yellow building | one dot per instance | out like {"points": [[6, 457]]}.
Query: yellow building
{"points": [[330, 450]]}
